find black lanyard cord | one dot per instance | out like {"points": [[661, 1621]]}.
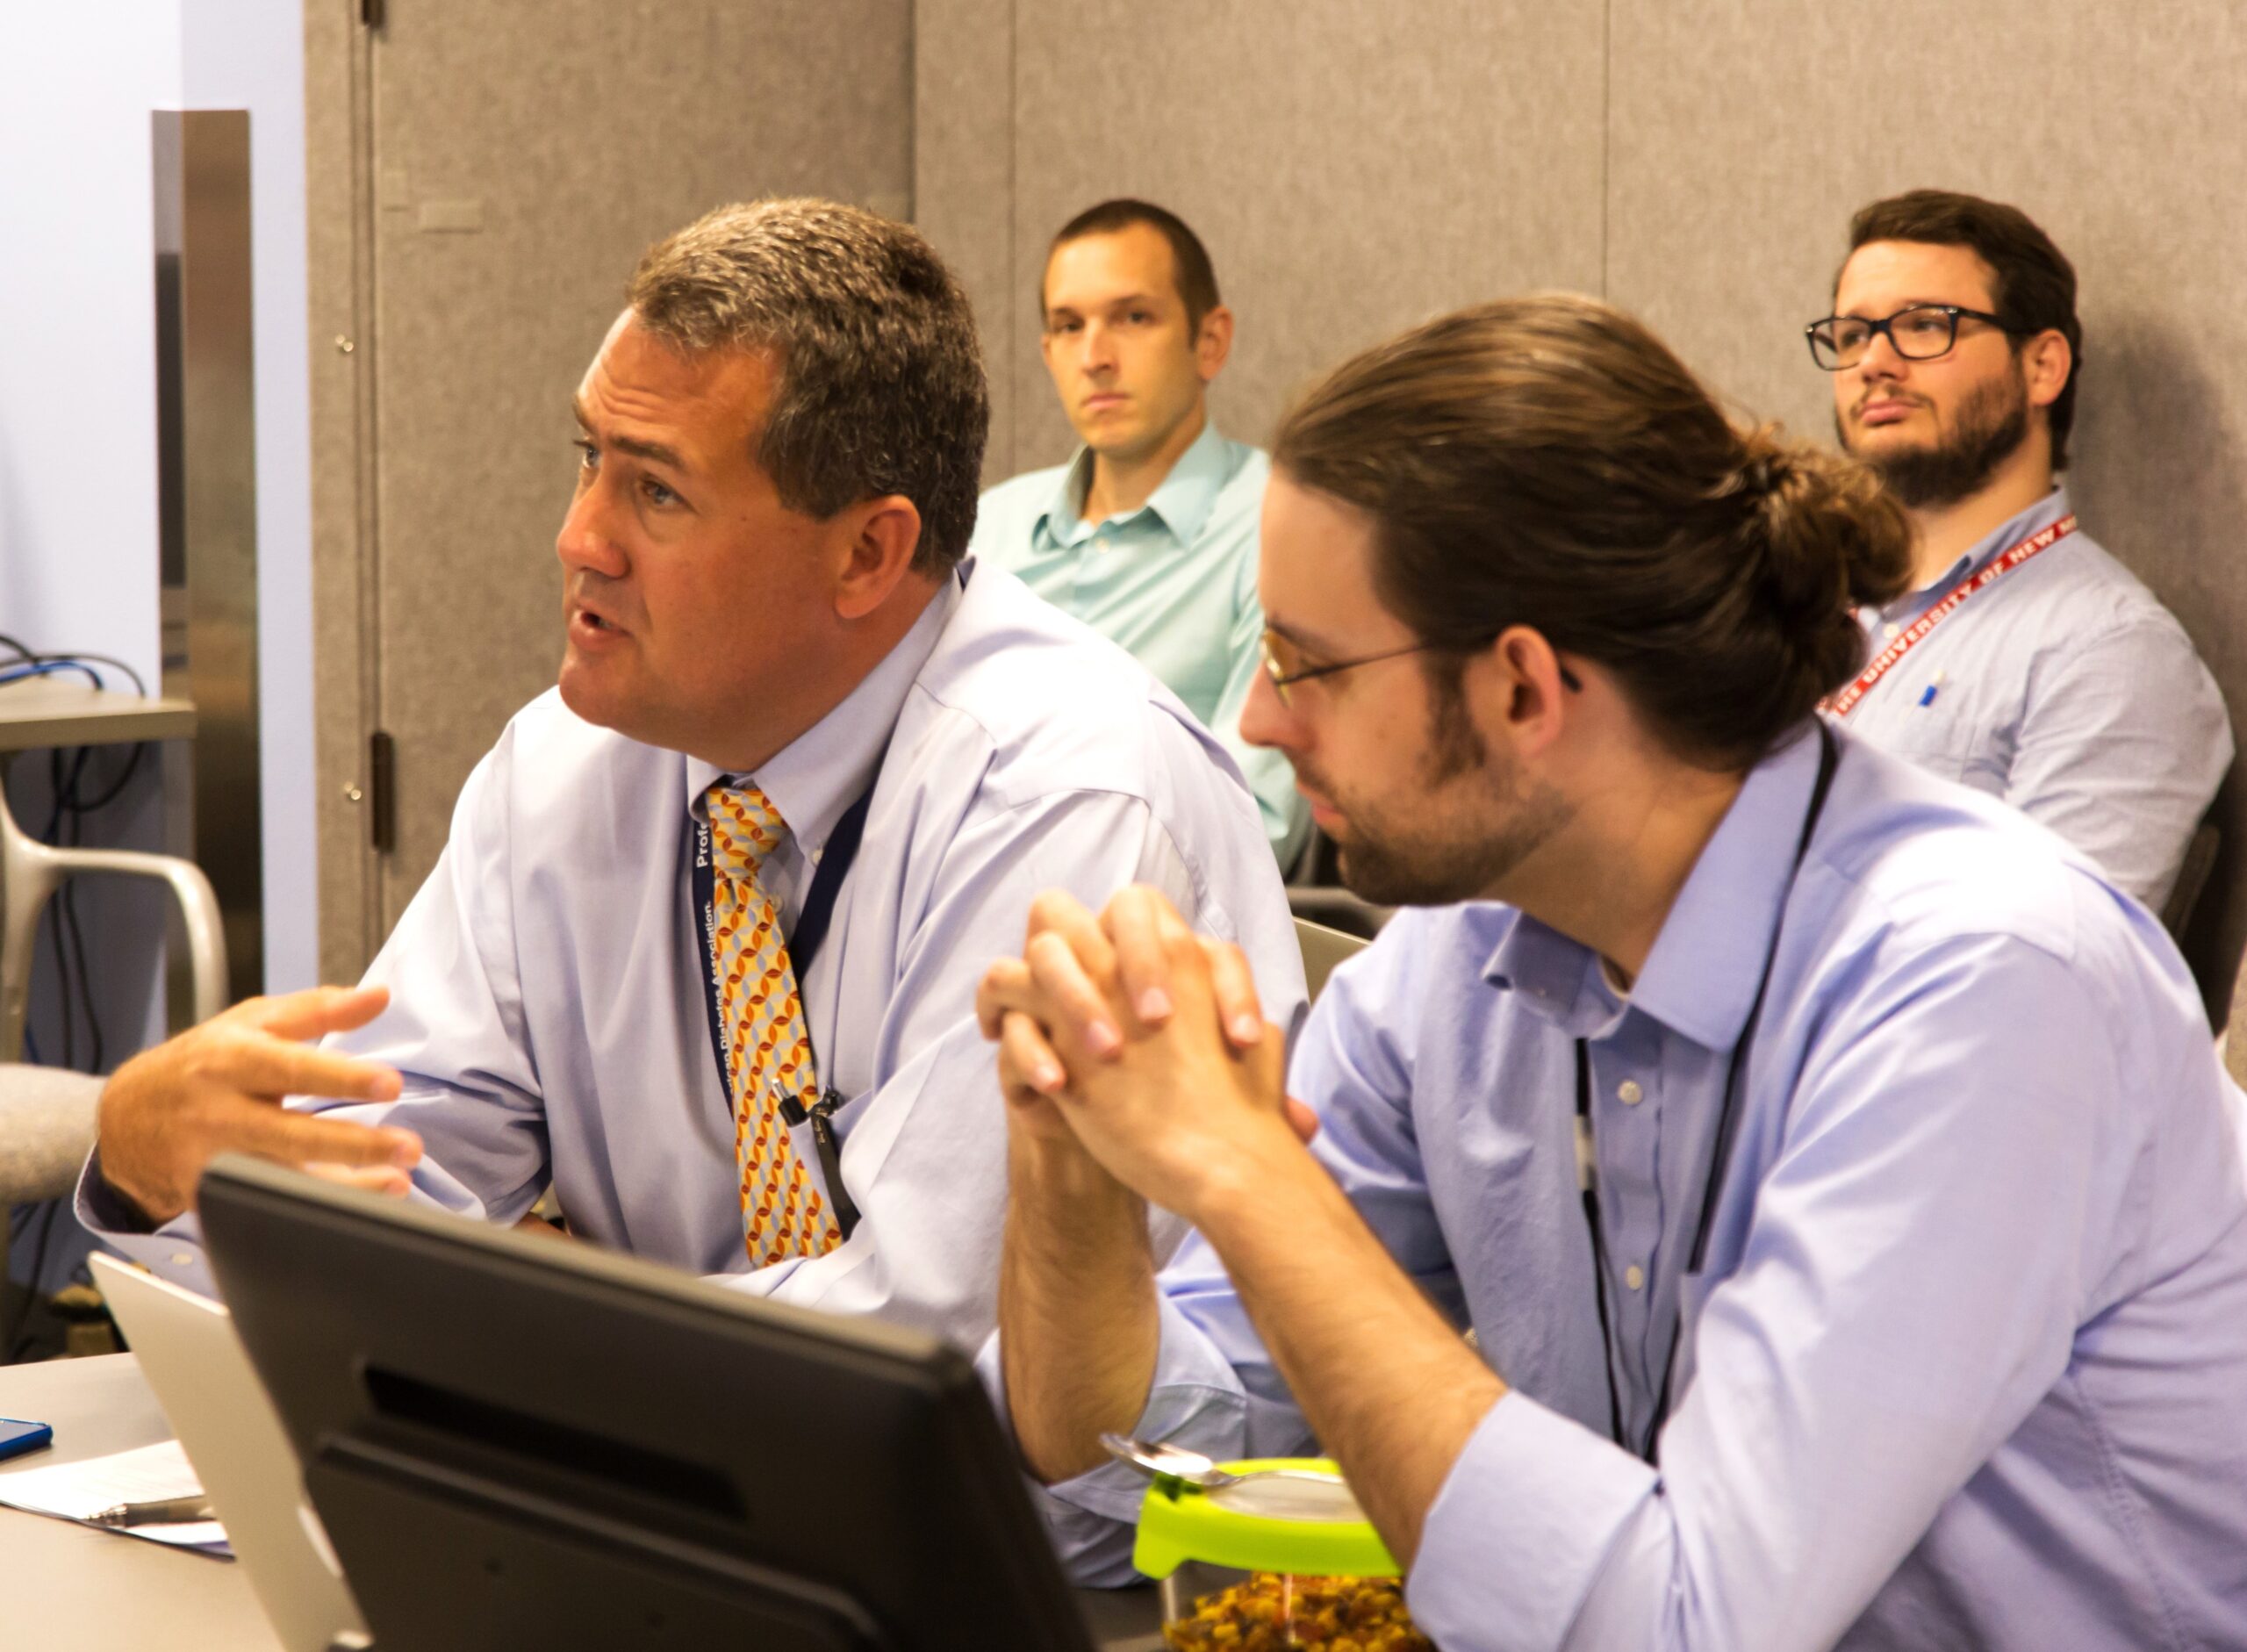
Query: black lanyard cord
{"points": [[1719, 1155], [1598, 1243], [803, 943]]}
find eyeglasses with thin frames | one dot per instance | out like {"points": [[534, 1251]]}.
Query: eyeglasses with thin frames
{"points": [[1276, 667], [1918, 333]]}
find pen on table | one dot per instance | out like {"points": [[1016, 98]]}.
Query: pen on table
{"points": [[166, 1512]]}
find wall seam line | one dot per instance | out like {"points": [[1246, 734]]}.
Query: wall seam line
{"points": [[1013, 218], [1607, 140]]}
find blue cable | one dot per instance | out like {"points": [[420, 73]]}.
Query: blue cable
{"points": [[48, 668]]}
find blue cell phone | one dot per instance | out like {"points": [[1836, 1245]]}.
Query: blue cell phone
{"points": [[17, 1438]]}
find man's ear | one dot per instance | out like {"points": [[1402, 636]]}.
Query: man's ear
{"points": [[878, 539], [1214, 343], [2046, 362], [1522, 685]]}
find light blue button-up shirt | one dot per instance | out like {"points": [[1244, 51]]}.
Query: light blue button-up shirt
{"points": [[1174, 582], [1967, 1366], [2066, 689], [548, 985]]}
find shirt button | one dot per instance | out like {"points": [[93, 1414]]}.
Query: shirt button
{"points": [[1100, 544], [1630, 1092], [183, 1259], [1635, 1276], [1889, 630]]}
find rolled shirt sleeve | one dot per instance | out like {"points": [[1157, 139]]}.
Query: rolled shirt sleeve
{"points": [[1890, 1322], [1216, 1387]]}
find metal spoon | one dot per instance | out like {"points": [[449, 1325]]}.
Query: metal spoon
{"points": [[1177, 1463]]}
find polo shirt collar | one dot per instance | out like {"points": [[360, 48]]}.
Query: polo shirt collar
{"points": [[1700, 980], [1183, 502], [818, 776]]}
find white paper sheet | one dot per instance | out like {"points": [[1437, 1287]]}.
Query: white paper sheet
{"points": [[80, 1490]]}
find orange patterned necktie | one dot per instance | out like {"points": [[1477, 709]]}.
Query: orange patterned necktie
{"points": [[768, 1058]]}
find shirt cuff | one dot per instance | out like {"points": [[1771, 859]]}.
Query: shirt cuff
{"points": [[1516, 1536], [173, 1251], [1196, 1401]]}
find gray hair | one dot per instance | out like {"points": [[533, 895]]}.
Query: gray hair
{"points": [[881, 384]]}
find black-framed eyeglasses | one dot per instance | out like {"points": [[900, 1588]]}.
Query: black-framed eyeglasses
{"points": [[1920, 333], [1279, 656]]}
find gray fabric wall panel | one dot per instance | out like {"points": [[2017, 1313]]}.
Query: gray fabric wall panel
{"points": [[1743, 134], [511, 207], [962, 180], [342, 659], [1354, 168]]}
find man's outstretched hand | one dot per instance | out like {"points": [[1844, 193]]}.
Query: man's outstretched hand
{"points": [[218, 1088]]}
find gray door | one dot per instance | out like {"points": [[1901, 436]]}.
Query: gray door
{"points": [[505, 163]]}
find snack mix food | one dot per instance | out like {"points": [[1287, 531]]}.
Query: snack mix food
{"points": [[1272, 1610]]}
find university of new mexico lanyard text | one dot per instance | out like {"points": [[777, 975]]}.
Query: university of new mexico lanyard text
{"points": [[2043, 539]]}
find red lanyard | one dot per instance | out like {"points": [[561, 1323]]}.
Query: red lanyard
{"points": [[1841, 704]]}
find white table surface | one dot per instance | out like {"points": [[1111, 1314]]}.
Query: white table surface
{"points": [[68, 1588]]}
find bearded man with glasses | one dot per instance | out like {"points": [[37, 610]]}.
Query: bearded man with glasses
{"points": [[2024, 661]]}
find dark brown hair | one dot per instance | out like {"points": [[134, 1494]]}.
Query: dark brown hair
{"points": [[881, 383], [1189, 260], [1547, 461], [2035, 283]]}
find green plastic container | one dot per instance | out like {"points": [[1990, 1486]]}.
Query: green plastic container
{"points": [[1179, 1523], [1196, 1546]]}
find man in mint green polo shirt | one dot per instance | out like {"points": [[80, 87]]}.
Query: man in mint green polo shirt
{"points": [[1148, 534]]}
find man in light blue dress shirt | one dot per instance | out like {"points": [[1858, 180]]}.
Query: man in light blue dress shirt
{"points": [[1831, 1164], [763, 578], [2062, 685], [1148, 534]]}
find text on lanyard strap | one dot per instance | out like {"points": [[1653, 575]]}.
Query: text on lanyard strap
{"points": [[2043, 539]]}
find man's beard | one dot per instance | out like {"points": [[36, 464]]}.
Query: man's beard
{"points": [[1992, 423], [1405, 857]]}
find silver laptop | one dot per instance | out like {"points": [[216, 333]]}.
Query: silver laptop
{"points": [[217, 1406]]}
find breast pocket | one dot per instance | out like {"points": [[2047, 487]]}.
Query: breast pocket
{"points": [[1946, 740]]}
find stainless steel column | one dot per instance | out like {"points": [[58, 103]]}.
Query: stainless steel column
{"points": [[207, 436]]}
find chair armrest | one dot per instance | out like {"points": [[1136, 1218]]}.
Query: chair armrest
{"points": [[198, 906], [32, 871]]}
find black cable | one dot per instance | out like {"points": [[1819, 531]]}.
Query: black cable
{"points": [[68, 809], [138, 687], [86, 806], [73, 965], [25, 1334], [27, 655], [69, 899], [77, 833], [58, 789]]}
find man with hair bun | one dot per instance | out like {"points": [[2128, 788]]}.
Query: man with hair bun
{"points": [[2024, 661], [702, 949], [1148, 534], [1831, 1166]]}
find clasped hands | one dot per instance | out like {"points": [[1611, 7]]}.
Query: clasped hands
{"points": [[1131, 1039]]}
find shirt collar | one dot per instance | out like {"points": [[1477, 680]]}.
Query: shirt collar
{"points": [[1700, 980], [818, 776], [1183, 502], [2000, 539]]}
